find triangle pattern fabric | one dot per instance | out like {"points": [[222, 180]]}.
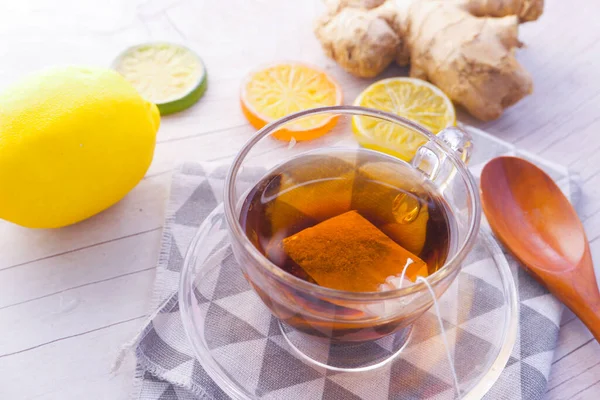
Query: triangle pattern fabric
{"points": [[183, 371], [169, 394], [182, 236], [182, 188], [541, 361], [334, 391], [448, 394], [169, 281], [219, 172], [246, 306], [374, 385], [388, 342], [426, 327], [538, 333], [249, 174], [447, 304], [484, 297], [172, 305], [508, 385], [203, 386], [480, 326], [247, 178], [209, 284], [217, 186], [274, 329], [239, 330], [191, 169], [183, 394], [202, 310], [546, 305], [409, 382], [395, 341], [174, 338], [318, 349], [478, 269], [200, 299], [231, 281], [149, 377], [342, 357], [153, 343], [152, 387], [528, 288], [282, 370], [200, 204], [281, 342], [430, 355], [244, 367], [175, 258], [469, 350], [511, 361], [533, 382], [302, 391]]}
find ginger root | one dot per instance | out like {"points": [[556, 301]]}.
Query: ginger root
{"points": [[465, 47]]}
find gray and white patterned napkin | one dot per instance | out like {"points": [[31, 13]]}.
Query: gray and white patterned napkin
{"points": [[167, 369]]}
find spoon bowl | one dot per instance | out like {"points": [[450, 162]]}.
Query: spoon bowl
{"points": [[531, 216]]}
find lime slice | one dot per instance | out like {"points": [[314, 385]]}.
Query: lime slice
{"points": [[168, 75]]}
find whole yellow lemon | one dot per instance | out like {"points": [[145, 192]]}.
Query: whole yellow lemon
{"points": [[73, 142]]}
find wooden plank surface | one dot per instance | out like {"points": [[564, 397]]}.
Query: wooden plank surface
{"points": [[69, 298]]}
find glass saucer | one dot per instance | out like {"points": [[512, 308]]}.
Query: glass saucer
{"points": [[249, 355]]}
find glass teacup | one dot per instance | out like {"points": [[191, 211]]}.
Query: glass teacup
{"points": [[312, 316]]}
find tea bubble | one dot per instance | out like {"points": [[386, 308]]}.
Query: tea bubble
{"points": [[405, 208]]}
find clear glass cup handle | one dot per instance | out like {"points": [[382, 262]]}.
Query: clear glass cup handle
{"points": [[432, 162]]}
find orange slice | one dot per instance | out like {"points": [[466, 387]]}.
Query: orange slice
{"points": [[281, 89]]}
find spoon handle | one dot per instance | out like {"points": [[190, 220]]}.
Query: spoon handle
{"points": [[587, 300], [578, 290], [591, 319]]}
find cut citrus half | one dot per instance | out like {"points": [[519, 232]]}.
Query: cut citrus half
{"points": [[411, 98], [282, 89], [168, 75]]}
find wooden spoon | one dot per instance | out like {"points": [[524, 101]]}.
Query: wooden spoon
{"points": [[536, 222]]}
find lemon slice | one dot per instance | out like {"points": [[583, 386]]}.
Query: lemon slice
{"points": [[168, 75], [281, 89], [411, 98]]}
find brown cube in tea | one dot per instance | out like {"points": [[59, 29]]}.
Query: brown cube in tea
{"points": [[397, 207], [303, 189], [347, 252]]}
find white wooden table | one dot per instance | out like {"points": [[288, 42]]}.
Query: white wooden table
{"points": [[70, 297]]}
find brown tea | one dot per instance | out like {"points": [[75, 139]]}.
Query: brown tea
{"points": [[348, 220]]}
